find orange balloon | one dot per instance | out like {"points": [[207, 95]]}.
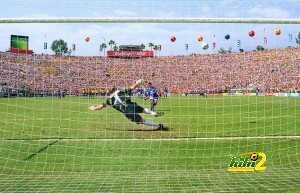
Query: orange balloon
{"points": [[200, 38], [87, 39]]}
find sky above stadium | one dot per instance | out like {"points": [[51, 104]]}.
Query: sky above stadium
{"points": [[145, 33]]}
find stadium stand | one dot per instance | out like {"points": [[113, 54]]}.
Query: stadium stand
{"points": [[269, 71]]}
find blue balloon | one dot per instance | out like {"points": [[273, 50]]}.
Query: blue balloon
{"points": [[227, 37]]}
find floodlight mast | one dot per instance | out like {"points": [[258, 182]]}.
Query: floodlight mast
{"points": [[150, 20]]}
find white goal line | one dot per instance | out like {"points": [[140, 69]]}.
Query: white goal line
{"points": [[150, 20], [159, 139]]}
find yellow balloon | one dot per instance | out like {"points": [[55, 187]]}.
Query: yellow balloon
{"points": [[277, 31]]}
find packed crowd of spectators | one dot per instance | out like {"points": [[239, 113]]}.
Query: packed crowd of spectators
{"points": [[270, 71]]}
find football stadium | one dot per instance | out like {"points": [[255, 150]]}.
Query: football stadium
{"points": [[139, 100]]}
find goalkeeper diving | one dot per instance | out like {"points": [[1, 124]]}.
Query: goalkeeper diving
{"points": [[120, 99]]}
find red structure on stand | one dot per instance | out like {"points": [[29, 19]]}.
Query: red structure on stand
{"points": [[130, 51]]}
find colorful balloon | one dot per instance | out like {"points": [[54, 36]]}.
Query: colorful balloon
{"points": [[214, 45], [265, 40], [200, 38], [87, 39], [277, 31], [173, 39], [227, 37], [251, 33], [205, 46]]}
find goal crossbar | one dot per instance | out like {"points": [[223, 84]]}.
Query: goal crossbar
{"points": [[151, 20]]}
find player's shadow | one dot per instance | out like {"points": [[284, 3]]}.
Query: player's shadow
{"points": [[154, 129], [140, 130]]}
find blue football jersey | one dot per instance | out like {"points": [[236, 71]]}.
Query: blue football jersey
{"points": [[152, 93]]}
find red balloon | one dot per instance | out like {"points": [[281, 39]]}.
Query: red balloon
{"points": [[251, 33], [173, 39]]}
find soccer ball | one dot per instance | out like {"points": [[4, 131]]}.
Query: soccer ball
{"points": [[254, 156]]}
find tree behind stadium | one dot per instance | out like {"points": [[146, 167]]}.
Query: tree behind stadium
{"points": [[59, 47]]}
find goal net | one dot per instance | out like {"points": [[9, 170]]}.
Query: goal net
{"points": [[156, 105]]}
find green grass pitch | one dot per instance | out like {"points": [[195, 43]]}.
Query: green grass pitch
{"points": [[57, 145]]}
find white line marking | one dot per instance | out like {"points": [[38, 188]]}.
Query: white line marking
{"points": [[158, 139]]}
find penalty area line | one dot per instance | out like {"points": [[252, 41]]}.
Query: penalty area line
{"points": [[159, 139]]}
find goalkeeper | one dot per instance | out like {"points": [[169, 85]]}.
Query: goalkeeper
{"points": [[120, 100]]}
